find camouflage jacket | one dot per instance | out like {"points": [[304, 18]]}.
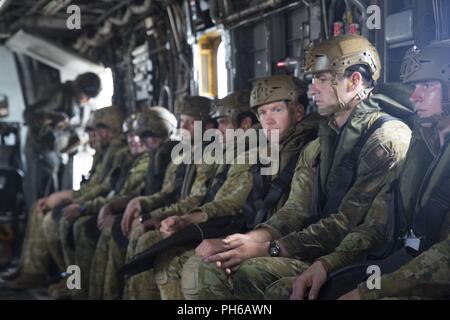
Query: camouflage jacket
{"points": [[195, 184], [427, 275], [133, 177], [99, 185], [232, 196], [93, 175], [381, 152]]}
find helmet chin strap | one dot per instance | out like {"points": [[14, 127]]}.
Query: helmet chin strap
{"points": [[341, 106]]}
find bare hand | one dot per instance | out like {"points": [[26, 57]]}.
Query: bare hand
{"points": [[210, 247], [237, 240], [352, 295], [308, 284], [231, 259], [41, 205], [71, 212], [105, 217], [53, 200], [132, 212], [171, 225]]}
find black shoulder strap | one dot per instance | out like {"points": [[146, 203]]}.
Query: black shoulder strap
{"points": [[179, 178], [123, 175], [316, 198], [155, 177], [347, 170], [428, 223], [157, 168], [219, 180], [278, 186]]}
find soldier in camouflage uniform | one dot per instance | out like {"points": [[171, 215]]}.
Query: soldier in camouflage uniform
{"points": [[421, 182], [184, 186], [280, 102], [344, 69], [30, 268], [231, 112], [58, 222], [126, 181], [155, 128], [35, 259]]}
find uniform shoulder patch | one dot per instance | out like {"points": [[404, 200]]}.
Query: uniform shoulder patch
{"points": [[375, 156]]}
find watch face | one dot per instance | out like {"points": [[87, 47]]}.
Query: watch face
{"points": [[274, 250]]}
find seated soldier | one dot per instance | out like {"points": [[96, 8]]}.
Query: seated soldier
{"points": [[336, 178], [57, 224], [155, 128], [126, 179], [230, 112], [284, 102], [418, 250], [34, 262], [184, 186]]}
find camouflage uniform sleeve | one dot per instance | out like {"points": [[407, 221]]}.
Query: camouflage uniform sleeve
{"points": [[92, 192], [370, 234], [157, 200], [295, 212], [114, 157], [131, 188], [386, 147], [231, 197], [205, 172], [92, 179], [426, 276]]}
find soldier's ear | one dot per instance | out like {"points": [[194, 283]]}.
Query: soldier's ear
{"points": [[298, 111], [355, 79]]}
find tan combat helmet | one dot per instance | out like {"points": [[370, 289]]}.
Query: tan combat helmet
{"points": [[110, 117], [338, 54], [232, 106], [156, 121], [276, 88], [195, 106], [430, 63]]}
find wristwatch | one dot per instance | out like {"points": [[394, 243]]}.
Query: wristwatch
{"points": [[144, 217], [274, 249]]}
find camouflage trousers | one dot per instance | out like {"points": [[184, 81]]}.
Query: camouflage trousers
{"points": [[116, 247], [169, 269], [35, 258], [141, 286], [282, 289], [251, 281], [98, 266], [56, 230], [85, 236]]}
